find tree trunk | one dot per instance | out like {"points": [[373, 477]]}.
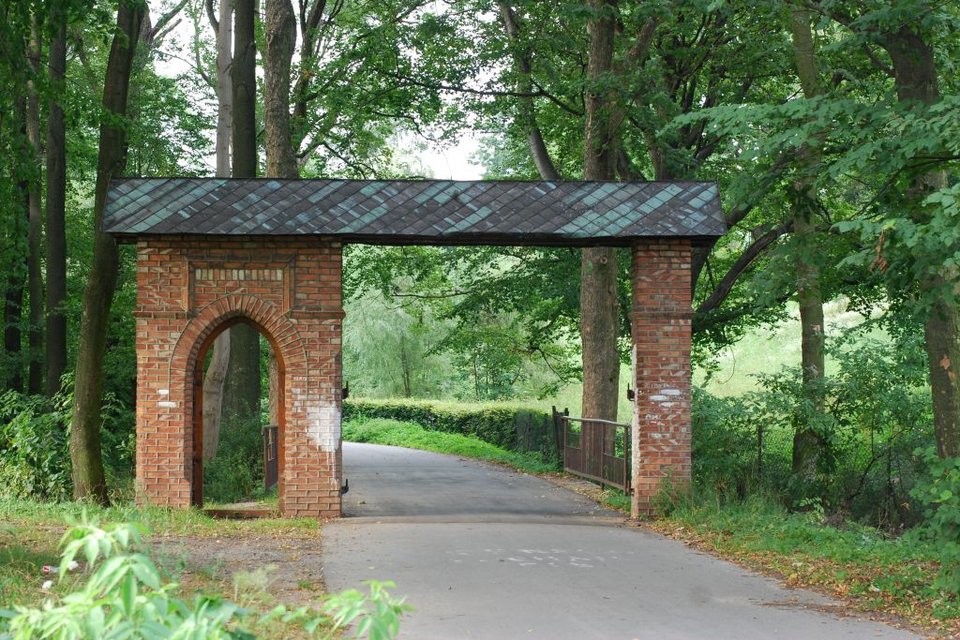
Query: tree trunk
{"points": [[244, 85], [35, 230], [807, 441], [12, 337], [213, 394], [273, 380], [280, 36], [13, 296], [241, 390], [599, 313], [56, 236], [241, 394], [915, 79], [224, 87], [88, 476], [216, 375], [943, 356]]}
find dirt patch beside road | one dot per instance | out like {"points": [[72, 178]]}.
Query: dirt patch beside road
{"points": [[266, 568]]}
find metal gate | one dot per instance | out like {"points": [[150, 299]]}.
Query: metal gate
{"points": [[270, 457], [598, 450]]}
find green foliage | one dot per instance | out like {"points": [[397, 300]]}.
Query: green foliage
{"points": [[874, 417], [724, 459], [508, 426], [504, 318], [940, 496], [34, 462], [237, 471], [388, 350], [408, 434], [122, 595]]}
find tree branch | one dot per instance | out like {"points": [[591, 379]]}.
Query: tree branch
{"points": [[538, 147], [720, 293], [212, 16]]}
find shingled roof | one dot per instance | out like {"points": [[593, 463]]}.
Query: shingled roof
{"points": [[417, 211]]}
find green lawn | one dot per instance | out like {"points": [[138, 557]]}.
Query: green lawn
{"points": [[408, 434]]}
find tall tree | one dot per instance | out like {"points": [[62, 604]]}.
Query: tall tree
{"points": [[916, 81], [216, 374], [13, 295], [599, 311], [909, 237], [807, 440], [241, 401], [18, 177], [35, 222], [56, 234], [85, 454], [280, 37]]}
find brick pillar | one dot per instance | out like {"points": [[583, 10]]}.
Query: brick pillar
{"points": [[660, 322], [290, 289]]}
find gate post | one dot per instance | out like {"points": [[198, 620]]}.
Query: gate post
{"points": [[660, 325]]}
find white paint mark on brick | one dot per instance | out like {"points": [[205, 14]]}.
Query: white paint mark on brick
{"points": [[323, 427], [670, 392]]}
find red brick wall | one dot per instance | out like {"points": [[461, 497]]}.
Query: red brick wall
{"points": [[660, 322], [188, 289]]}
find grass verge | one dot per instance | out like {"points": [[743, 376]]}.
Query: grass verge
{"points": [[872, 571], [30, 533], [408, 434]]}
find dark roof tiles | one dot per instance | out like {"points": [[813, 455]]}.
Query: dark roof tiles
{"points": [[421, 211]]}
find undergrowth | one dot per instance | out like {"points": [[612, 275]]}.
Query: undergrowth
{"points": [[874, 570], [109, 587]]}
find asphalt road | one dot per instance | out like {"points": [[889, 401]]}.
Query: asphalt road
{"points": [[482, 552]]}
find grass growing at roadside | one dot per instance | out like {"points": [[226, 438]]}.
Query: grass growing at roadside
{"points": [[30, 532], [874, 571], [408, 434], [160, 521]]}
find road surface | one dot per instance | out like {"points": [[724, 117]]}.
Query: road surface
{"points": [[484, 552]]}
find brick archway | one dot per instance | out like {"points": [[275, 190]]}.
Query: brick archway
{"points": [[190, 352], [213, 250], [189, 292]]}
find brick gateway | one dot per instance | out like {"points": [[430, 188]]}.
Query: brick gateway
{"points": [[213, 252]]}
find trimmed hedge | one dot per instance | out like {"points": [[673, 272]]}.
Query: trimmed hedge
{"points": [[513, 427]]}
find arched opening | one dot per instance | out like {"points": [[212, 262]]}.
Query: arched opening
{"points": [[269, 433]]}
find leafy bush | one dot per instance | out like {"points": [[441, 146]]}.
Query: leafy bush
{"points": [[237, 471], [124, 596], [724, 445], [510, 426], [34, 460], [940, 496], [874, 417]]}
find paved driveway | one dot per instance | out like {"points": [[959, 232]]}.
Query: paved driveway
{"points": [[482, 552]]}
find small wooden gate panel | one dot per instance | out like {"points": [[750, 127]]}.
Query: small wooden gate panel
{"points": [[270, 457], [597, 450]]}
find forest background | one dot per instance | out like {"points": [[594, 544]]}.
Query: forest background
{"points": [[832, 128]]}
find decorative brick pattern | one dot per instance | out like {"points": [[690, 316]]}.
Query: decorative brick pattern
{"points": [[660, 321], [189, 290]]}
